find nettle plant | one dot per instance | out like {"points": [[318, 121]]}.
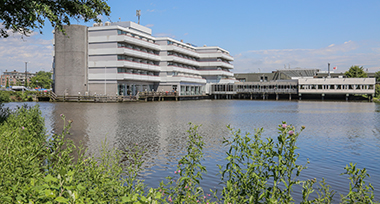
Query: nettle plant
{"points": [[185, 186], [261, 171]]}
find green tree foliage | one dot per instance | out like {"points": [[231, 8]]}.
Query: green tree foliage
{"points": [[4, 96], [18, 96], [377, 91], [24, 16], [42, 79], [356, 72], [377, 76], [7, 84]]}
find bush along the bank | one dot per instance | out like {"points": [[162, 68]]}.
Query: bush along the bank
{"points": [[34, 169], [16, 96], [37, 169], [377, 93]]}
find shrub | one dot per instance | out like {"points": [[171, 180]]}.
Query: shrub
{"points": [[4, 96], [377, 90], [34, 169]]}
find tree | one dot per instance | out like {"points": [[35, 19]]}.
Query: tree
{"points": [[377, 90], [377, 76], [25, 16], [42, 79], [7, 84], [356, 72]]}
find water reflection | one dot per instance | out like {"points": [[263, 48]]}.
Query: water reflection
{"points": [[336, 132]]}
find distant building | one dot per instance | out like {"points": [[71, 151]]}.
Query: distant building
{"points": [[282, 74], [287, 74], [296, 82], [15, 78], [123, 58]]}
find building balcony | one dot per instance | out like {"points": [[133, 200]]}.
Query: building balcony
{"points": [[138, 41], [141, 54], [182, 50], [181, 60], [124, 63], [124, 76], [184, 70], [125, 51], [216, 55], [215, 72], [182, 78], [216, 64], [124, 38]]}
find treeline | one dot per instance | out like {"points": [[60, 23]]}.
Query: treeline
{"points": [[37, 168]]}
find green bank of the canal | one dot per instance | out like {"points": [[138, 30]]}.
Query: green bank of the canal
{"points": [[336, 133], [15, 96]]}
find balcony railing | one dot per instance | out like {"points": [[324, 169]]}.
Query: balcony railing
{"points": [[139, 39], [138, 50], [137, 62]]}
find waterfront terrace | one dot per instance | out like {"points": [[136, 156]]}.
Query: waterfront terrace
{"points": [[302, 87]]}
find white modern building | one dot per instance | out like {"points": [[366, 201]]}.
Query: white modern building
{"points": [[123, 58]]}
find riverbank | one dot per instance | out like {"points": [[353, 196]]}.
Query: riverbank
{"points": [[16, 96]]}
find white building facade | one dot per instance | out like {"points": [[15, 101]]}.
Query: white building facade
{"points": [[124, 58]]}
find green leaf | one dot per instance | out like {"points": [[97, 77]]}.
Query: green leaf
{"points": [[158, 195], [50, 178], [49, 193], [61, 199]]}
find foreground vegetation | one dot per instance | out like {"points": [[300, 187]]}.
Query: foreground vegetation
{"points": [[16, 96], [377, 93], [38, 169]]}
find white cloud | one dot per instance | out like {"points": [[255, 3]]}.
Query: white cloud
{"points": [[15, 51], [154, 10], [149, 25], [344, 55]]}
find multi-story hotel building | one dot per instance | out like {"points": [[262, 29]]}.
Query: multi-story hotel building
{"points": [[123, 58], [15, 78]]}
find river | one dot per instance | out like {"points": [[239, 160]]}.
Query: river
{"points": [[336, 133]]}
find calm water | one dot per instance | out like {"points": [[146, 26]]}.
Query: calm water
{"points": [[336, 132]]}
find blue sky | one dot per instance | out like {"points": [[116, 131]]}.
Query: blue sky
{"points": [[260, 35]]}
